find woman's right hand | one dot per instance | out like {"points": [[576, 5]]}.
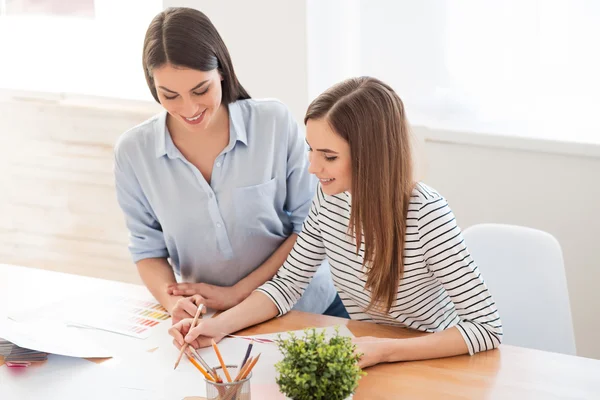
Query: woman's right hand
{"points": [[186, 307], [200, 336]]}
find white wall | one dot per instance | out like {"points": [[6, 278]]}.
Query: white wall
{"points": [[333, 35], [267, 42], [552, 192]]}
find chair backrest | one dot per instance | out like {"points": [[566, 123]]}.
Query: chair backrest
{"points": [[524, 271]]}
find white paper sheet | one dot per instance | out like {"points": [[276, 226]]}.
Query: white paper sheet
{"points": [[53, 338], [135, 315], [152, 373], [62, 378]]}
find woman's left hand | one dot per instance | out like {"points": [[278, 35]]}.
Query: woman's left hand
{"points": [[216, 297], [373, 350]]}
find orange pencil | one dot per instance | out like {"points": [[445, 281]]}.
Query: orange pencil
{"points": [[206, 375], [243, 369], [242, 374], [185, 344], [214, 345], [249, 369], [233, 390]]}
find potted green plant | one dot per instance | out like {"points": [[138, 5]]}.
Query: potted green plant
{"points": [[315, 368]]}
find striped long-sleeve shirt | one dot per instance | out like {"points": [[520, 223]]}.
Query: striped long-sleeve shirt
{"points": [[441, 286]]}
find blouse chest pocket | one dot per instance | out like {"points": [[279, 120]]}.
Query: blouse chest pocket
{"points": [[256, 209]]}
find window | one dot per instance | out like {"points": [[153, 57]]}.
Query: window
{"points": [[91, 47], [513, 66], [78, 8]]}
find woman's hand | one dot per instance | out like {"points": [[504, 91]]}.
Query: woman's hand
{"points": [[216, 297], [186, 307], [200, 336], [373, 350]]}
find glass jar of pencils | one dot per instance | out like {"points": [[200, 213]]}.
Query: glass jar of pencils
{"points": [[230, 386]]}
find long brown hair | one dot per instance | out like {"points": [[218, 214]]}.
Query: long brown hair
{"points": [[369, 115], [185, 37]]}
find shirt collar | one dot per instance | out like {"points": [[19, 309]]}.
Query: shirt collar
{"points": [[160, 128], [237, 127], [164, 143]]}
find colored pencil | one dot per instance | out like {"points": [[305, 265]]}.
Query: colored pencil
{"points": [[243, 369], [249, 369], [214, 345], [206, 375], [247, 354], [234, 389]]}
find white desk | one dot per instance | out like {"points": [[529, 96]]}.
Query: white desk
{"points": [[508, 372], [72, 378]]}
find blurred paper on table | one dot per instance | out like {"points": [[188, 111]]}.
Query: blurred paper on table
{"points": [[54, 338], [126, 315]]}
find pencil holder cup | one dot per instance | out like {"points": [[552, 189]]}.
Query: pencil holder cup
{"points": [[239, 390]]}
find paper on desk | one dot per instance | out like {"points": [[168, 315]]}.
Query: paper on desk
{"points": [[131, 315], [136, 314], [62, 378], [153, 373], [49, 337]]}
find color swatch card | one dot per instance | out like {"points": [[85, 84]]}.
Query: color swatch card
{"points": [[125, 315]]}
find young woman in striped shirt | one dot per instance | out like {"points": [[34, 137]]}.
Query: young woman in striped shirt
{"points": [[408, 266]]}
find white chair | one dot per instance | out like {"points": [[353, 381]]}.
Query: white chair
{"points": [[524, 271]]}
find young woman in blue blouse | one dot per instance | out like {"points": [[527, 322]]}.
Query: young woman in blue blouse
{"points": [[215, 188]]}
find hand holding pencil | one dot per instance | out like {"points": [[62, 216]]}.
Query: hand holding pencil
{"points": [[184, 346], [200, 335]]}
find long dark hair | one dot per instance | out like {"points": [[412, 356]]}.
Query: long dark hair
{"points": [[185, 37], [369, 115]]}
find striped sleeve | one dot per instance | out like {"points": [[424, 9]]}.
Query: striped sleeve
{"points": [[290, 282], [448, 258]]}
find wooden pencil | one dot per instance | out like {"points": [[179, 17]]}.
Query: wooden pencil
{"points": [[243, 369], [223, 366], [249, 369], [234, 389], [185, 344]]}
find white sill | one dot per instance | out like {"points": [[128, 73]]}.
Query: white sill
{"points": [[573, 140], [438, 132], [508, 141], [82, 101]]}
